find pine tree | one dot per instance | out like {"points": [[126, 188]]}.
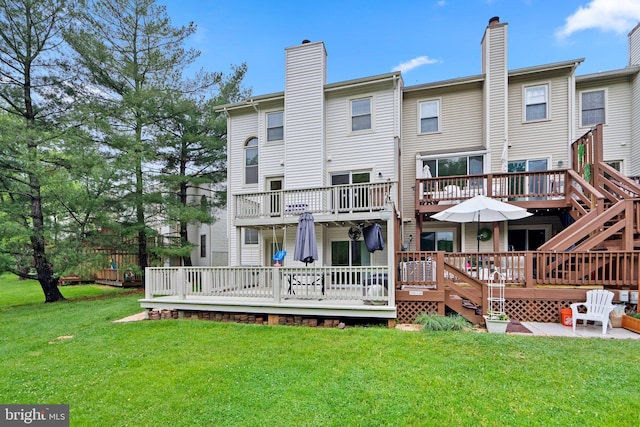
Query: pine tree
{"points": [[34, 96], [134, 59], [193, 157]]}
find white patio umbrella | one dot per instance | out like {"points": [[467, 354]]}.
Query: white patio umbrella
{"points": [[481, 208]]}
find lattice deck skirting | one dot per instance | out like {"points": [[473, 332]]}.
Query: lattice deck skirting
{"points": [[531, 310], [407, 311], [524, 310]]}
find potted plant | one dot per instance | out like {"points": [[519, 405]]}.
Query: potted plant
{"points": [[631, 321], [496, 322]]}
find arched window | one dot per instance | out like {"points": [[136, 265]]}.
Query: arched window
{"points": [[251, 161]]}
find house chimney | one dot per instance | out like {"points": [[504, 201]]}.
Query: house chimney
{"points": [[496, 83], [304, 109], [634, 45]]}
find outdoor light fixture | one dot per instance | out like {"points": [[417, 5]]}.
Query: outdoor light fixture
{"points": [[387, 212]]}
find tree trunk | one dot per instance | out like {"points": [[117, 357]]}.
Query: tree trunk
{"points": [[184, 240], [184, 233], [47, 281]]}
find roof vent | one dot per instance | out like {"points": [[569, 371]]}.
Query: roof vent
{"points": [[494, 21], [305, 41]]}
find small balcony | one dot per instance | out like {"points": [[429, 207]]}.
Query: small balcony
{"points": [[340, 202], [541, 189]]}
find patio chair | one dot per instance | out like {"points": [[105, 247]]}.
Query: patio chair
{"points": [[598, 307]]}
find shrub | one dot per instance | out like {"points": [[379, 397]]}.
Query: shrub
{"points": [[435, 322]]}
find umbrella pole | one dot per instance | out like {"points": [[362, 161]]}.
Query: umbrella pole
{"points": [[478, 233]]}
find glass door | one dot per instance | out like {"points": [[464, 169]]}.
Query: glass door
{"points": [[349, 197], [275, 196]]}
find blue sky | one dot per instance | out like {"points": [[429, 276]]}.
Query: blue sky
{"points": [[430, 40]]}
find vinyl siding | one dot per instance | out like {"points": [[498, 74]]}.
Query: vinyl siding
{"points": [[617, 129], [371, 150], [461, 130], [634, 164], [496, 90], [304, 115], [634, 46], [240, 127], [546, 139]]}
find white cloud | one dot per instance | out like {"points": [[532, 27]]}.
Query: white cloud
{"points": [[619, 16], [414, 63]]}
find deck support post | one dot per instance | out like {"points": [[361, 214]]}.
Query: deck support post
{"points": [[182, 279], [528, 270], [277, 284], [274, 320]]}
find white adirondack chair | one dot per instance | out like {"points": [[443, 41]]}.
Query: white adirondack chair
{"points": [[598, 305]]}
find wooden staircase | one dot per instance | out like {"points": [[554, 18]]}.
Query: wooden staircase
{"points": [[464, 294], [604, 203]]}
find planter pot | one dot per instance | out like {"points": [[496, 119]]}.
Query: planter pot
{"points": [[496, 326], [631, 323]]}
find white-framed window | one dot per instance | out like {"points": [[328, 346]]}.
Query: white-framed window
{"points": [[275, 126], [536, 103], [592, 107], [251, 161], [360, 114], [616, 164], [349, 253], [203, 246], [441, 240], [527, 237], [250, 236], [454, 166], [351, 198], [532, 186], [429, 116]]}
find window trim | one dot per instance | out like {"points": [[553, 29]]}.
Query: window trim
{"points": [[606, 103], [203, 246], [365, 256], [547, 86], [266, 126], [422, 159], [245, 237], [244, 161], [454, 231], [371, 114], [546, 227], [438, 102]]}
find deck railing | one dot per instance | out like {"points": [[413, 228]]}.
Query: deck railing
{"points": [[367, 197], [511, 186], [610, 269], [348, 284]]}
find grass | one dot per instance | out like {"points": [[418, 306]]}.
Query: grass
{"points": [[191, 373], [15, 292]]}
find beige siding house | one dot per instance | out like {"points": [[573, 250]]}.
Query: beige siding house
{"points": [[371, 153]]}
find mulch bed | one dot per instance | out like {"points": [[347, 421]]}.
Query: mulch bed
{"points": [[516, 326]]}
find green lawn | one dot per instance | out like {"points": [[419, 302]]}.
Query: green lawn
{"points": [[201, 373]]}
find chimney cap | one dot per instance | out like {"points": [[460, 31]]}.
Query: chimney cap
{"points": [[305, 41], [494, 21]]}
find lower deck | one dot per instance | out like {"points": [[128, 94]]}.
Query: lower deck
{"points": [[356, 292]]}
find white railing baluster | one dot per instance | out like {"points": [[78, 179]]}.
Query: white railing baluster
{"points": [[332, 284]]}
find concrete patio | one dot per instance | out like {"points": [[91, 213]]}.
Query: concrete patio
{"points": [[588, 331]]}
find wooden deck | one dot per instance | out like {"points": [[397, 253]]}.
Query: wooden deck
{"points": [[538, 284], [319, 291]]}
